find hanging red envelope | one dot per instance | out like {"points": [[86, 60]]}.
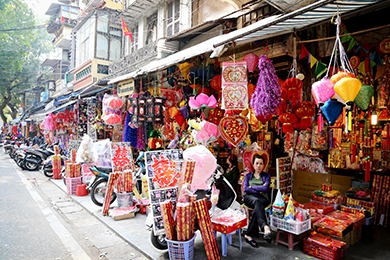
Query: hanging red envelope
{"points": [[233, 129], [234, 86]]}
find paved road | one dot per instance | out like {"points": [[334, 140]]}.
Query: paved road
{"points": [[40, 221]]}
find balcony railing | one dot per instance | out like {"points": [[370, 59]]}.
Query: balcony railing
{"points": [[134, 60]]}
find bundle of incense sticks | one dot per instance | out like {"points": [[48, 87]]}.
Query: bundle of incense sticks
{"points": [[192, 209], [119, 182], [56, 150], [169, 223], [72, 169], [187, 173], [56, 162], [183, 221], [205, 228], [128, 180], [111, 182], [73, 156]]}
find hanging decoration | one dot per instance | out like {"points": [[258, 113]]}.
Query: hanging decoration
{"points": [[234, 86], [322, 90], [215, 115], [363, 98], [304, 113], [266, 99], [203, 101], [184, 68], [154, 107], [112, 113], [332, 110], [137, 110], [216, 83], [251, 61], [233, 129], [288, 119], [82, 119]]}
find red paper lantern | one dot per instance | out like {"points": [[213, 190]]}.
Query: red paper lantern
{"points": [[263, 119], [305, 114], [288, 119], [115, 102], [280, 82], [251, 90], [216, 83], [203, 90], [293, 85], [251, 61]]}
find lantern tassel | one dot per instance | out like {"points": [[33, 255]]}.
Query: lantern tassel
{"points": [[320, 122], [349, 121], [346, 123], [367, 170], [365, 126], [331, 138]]}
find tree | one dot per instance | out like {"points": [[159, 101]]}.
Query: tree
{"points": [[21, 45]]}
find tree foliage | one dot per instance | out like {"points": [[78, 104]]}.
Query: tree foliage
{"points": [[20, 50]]}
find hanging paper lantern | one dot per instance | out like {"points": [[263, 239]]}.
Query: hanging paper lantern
{"points": [[263, 119], [172, 69], [322, 90], [203, 101], [206, 73], [216, 83], [112, 119], [308, 104], [288, 119], [192, 73], [204, 90], [348, 88], [305, 114], [341, 74], [184, 68], [251, 90], [364, 96], [292, 85], [251, 61], [183, 111], [332, 110], [171, 81], [280, 82], [114, 102]]}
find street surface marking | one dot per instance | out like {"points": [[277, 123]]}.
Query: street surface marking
{"points": [[66, 238]]}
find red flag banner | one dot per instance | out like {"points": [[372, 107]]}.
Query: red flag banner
{"points": [[304, 52], [126, 31]]}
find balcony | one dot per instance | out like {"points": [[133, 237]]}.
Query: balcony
{"points": [[134, 60], [56, 24], [90, 72]]}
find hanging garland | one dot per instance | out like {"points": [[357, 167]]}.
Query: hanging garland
{"points": [[267, 96]]}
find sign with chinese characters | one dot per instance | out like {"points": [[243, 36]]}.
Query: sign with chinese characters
{"points": [[122, 157], [126, 88], [163, 169]]}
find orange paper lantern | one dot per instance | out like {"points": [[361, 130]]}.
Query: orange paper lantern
{"points": [[340, 75]]}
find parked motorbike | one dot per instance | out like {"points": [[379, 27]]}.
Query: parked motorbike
{"points": [[227, 199], [34, 157], [98, 186], [47, 166]]}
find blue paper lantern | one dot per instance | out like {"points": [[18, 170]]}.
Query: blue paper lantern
{"points": [[206, 73], [193, 73], [171, 81], [172, 69], [332, 110]]}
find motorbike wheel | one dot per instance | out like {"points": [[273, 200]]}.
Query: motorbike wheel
{"points": [[158, 241], [20, 163], [48, 173], [32, 166], [98, 192]]}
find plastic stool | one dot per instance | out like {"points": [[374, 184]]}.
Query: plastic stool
{"points": [[290, 239], [229, 240]]}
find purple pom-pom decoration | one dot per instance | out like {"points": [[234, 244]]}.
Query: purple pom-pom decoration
{"points": [[267, 96]]}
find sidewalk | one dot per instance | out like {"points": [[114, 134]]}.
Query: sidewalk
{"points": [[373, 243], [134, 232]]}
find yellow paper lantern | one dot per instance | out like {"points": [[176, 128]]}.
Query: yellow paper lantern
{"points": [[184, 68], [348, 88]]}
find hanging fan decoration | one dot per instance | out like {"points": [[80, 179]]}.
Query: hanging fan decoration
{"points": [[112, 109], [266, 98]]}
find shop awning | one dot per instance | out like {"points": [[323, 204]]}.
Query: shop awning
{"points": [[43, 114], [269, 27]]}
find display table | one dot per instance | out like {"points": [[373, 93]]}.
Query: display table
{"points": [[227, 232]]}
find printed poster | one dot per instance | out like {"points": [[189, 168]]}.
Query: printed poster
{"points": [[121, 156], [163, 168]]}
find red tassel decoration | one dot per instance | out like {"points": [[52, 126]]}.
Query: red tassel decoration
{"points": [[367, 170]]}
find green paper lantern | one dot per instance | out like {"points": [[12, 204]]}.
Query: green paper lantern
{"points": [[363, 98]]}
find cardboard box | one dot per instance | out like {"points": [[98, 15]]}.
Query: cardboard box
{"points": [[229, 229], [356, 235], [125, 216], [307, 182], [346, 239]]}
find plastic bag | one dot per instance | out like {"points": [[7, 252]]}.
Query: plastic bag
{"points": [[86, 151], [214, 195], [204, 167], [103, 153], [227, 217]]}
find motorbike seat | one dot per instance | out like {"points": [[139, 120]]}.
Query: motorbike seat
{"points": [[104, 169]]}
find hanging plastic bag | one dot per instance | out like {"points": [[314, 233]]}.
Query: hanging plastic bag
{"points": [[86, 151], [214, 195]]}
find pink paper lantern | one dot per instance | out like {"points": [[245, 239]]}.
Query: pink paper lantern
{"points": [[251, 61], [322, 90]]}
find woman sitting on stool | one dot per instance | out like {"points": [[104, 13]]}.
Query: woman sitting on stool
{"points": [[256, 188]]}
